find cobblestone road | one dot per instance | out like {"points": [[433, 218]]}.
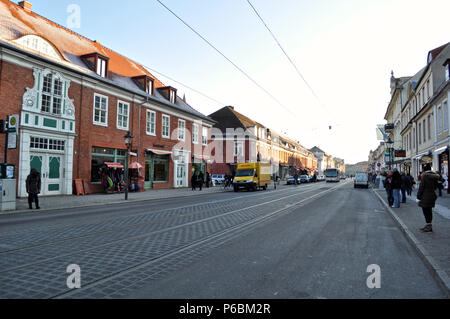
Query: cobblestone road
{"points": [[122, 247]]}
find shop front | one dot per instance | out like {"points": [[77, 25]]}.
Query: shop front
{"points": [[156, 167], [443, 163], [181, 166]]}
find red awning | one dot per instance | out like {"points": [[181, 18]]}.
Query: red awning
{"points": [[114, 165]]}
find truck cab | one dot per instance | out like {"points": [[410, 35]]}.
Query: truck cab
{"points": [[252, 176]]}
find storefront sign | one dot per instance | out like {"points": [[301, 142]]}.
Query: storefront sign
{"points": [[400, 153]]}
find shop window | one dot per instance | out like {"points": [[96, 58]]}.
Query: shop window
{"points": [[161, 168], [102, 155]]}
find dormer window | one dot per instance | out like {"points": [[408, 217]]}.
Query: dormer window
{"points": [[447, 69], [97, 62], [145, 83], [101, 67], [169, 93]]}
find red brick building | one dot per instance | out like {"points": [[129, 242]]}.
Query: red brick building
{"points": [[78, 99]]}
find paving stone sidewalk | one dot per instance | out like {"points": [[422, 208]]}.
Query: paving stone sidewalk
{"points": [[434, 247], [61, 202]]}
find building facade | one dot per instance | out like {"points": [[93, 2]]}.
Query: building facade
{"points": [[77, 99]]}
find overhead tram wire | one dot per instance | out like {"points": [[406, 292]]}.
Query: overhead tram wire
{"points": [[287, 56], [186, 86], [226, 58]]}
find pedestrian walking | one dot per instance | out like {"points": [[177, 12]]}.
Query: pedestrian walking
{"points": [[427, 196], [194, 181], [200, 180], [440, 184], [208, 179], [388, 187], [405, 182], [33, 185], [410, 184], [396, 187]]}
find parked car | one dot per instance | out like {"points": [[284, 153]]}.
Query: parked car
{"points": [[304, 179], [320, 178], [343, 177], [361, 180], [218, 179]]}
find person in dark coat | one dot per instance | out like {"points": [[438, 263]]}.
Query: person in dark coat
{"points": [[208, 179], [33, 185], [409, 185], [427, 196], [388, 187], [200, 180], [194, 181], [441, 182], [405, 182], [396, 187]]}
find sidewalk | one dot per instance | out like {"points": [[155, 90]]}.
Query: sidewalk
{"points": [[61, 202], [433, 248]]}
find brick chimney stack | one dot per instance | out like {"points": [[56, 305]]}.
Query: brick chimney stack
{"points": [[27, 6]]}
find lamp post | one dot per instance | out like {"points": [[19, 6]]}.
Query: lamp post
{"points": [[128, 142]]}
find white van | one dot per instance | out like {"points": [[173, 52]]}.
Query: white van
{"points": [[361, 180]]}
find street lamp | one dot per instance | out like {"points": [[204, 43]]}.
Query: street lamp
{"points": [[128, 142]]}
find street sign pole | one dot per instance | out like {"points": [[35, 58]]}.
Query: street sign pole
{"points": [[6, 140]]}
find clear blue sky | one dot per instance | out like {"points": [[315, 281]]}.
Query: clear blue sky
{"points": [[345, 50]]}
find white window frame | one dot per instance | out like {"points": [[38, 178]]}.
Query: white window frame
{"points": [[52, 95], [238, 151], [172, 96], [149, 121], [439, 119], [195, 131], [445, 116], [181, 130], [101, 67], [106, 111], [163, 126], [204, 137], [121, 127]]}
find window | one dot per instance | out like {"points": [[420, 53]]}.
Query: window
{"points": [[205, 136], [429, 127], [238, 149], [151, 123], [409, 140], [447, 72], [418, 101], [101, 67], [424, 131], [420, 133], [445, 117], [47, 144], [100, 110], [150, 87], [181, 129], [166, 126], [123, 114], [52, 94], [414, 138], [439, 119], [195, 133], [172, 96], [100, 156], [428, 89], [161, 168]]}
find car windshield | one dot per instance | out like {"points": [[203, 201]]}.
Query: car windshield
{"points": [[245, 173], [361, 177]]}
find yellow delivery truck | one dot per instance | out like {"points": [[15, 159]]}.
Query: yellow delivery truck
{"points": [[252, 176]]}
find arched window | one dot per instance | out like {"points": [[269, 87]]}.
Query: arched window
{"points": [[52, 94]]}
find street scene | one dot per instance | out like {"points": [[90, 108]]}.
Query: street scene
{"points": [[224, 150]]}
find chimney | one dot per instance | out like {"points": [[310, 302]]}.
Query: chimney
{"points": [[26, 5]]}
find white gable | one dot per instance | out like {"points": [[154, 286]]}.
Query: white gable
{"points": [[36, 43]]}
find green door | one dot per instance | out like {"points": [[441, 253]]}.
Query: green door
{"points": [[54, 174], [36, 162]]}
